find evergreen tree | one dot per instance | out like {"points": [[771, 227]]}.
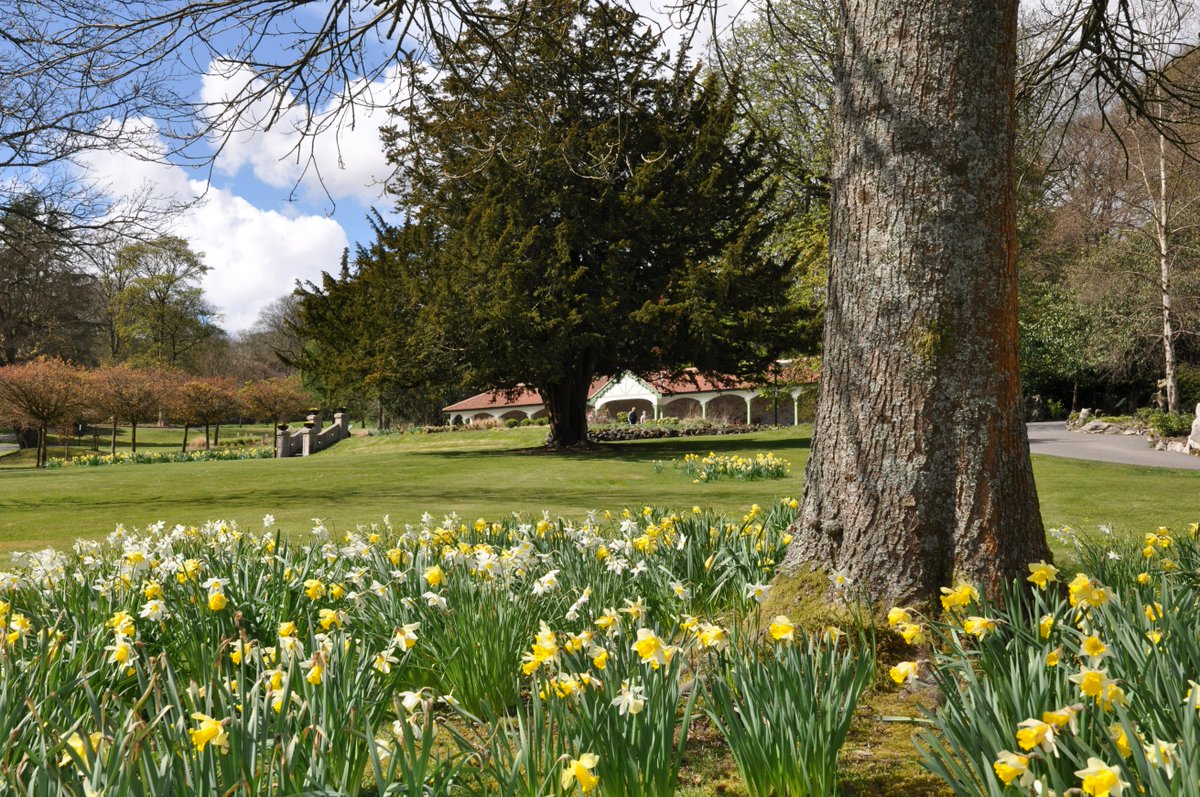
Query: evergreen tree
{"points": [[588, 210]]}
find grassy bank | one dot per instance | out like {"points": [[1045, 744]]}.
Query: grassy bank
{"points": [[492, 473]]}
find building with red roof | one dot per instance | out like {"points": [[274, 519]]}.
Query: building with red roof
{"points": [[687, 395]]}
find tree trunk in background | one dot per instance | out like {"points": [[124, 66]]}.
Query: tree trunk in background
{"points": [[1163, 217], [566, 405], [133, 437], [113, 448], [919, 473], [186, 427]]}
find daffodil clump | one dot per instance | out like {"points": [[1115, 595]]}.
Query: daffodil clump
{"points": [[722, 466], [455, 656], [1075, 683], [221, 454]]}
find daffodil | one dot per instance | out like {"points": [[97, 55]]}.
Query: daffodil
{"points": [[1101, 780], [209, 731], [1041, 574], [1045, 625], [904, 671], [782, 629], [959, 596], [1033, 733], [579, 770], [314, 588], [712, 636], [652, 649], [434, 576], [979, 627], [1009, 766], [80, 747], [630, 700]]}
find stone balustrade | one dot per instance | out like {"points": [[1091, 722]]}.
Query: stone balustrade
{"points": [[312, 438]]}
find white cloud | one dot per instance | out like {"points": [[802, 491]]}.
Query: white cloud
{"points": [[255, 255], [343, 159]]}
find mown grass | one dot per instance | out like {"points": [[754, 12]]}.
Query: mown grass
{"points": [[493, 473]]}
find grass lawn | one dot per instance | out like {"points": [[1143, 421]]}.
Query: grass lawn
{"points": [[492, 473]]}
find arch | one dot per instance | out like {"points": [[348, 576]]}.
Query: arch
{"points": [[764, 410], [682, 407], [727, 408], [540, 413], [516, 415], [457, 420], [616, 409], [482, 416]]}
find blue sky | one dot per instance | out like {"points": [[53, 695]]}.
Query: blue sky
{"points": [[265, 218]]}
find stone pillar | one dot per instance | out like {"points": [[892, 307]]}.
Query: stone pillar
{"points": [[339, 421], [749, 405], [795, 410], [306, 436], [1193, 442], [282, 442], [704, 408]]}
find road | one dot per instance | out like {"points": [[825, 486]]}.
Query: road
{"points": [[1053, 439]]}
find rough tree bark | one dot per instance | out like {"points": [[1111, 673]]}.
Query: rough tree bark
{"points": [[919, 473]]}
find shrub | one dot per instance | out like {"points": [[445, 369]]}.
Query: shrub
{"points": [[1055, 409], [511, 423], [1167, 424]]}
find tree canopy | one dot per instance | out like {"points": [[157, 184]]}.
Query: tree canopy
{"points": [[587, 211]]}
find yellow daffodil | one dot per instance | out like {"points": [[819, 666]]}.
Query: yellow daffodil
{"points": [[959, 596], [1009, 766], [1041, 574], [1045, 625], [208, 731], [1100, 780], [1033, 733], [579, 770], [904, 671], [782, 629], [979, 627]]}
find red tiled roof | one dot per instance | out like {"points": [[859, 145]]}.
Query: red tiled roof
{"points": [[692, 381], [521, 397]]}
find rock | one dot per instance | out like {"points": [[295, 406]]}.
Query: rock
{"points": [[1084, 416], [1194, 437], [1178, 446], [1161, 445], [1095, 427]]}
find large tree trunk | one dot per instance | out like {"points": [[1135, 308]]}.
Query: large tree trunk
{"points": [[919, 473], [566, 404]]}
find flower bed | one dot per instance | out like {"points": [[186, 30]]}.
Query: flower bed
{"points": [[156, 457], [715, 467], [514, 657], [654, 431]]}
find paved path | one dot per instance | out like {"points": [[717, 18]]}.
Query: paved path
{"points": [[1053, 439]]}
